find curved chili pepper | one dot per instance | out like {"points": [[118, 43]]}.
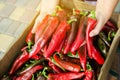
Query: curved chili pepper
{"points": [[41, 27], [82, 55], [57, 38], [66, 76], [20, 60], [61, 13], [52, 25], [28, 74], [104, 38], [109, 26], [89, 75], [45, 35], [80, 35], [59, 49], [70, 59], [54, 67], [24, 48], [102, 47], [67, 65], [29, 39], [73, 32], [36, 62], [92, 51]]}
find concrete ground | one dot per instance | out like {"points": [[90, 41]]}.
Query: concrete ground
{"points": [[15, 16]]}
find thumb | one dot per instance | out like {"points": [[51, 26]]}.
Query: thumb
{"points": [[97, 28], [37, 22]]}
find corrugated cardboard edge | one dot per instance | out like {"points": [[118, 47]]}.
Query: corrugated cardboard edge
{"points": [[108, 62], [14, 49], [112, 51]]}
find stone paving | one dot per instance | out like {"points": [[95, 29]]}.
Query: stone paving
{"points": [[15, 16]]}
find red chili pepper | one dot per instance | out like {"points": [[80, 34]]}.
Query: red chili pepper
{"points": [[67, 65], [36, 57], [54, 67], [19, 62], [52, 25], [89, 75], [92, 51], [110, 24], [59, 49], [66, 76], [57, 38], [80, 35], [77, 12], [28, 74], [45, 36], [29, 39], [24, 48], [41, 27], [109, 27], [61, 13], [73, 32], [70, 59], [30, 66], [82, 55]]}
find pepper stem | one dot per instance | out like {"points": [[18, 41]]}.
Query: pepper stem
{"points": [[58, 7], [92, 15], [44, 72], [71, 20], [88, 66], [29, 44], [111, 35], [74, 13], [84, 13]]}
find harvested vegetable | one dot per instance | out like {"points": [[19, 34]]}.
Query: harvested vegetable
{"points": [[61, 48]]}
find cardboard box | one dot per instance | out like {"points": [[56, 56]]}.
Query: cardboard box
{"points": [[12, 52], [80, 5]]}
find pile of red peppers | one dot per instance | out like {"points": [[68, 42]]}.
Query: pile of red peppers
{"points": [[61, 49]]}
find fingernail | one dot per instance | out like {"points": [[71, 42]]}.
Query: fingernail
{"points": [[91, 34]]}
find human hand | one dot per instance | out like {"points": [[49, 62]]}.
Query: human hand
{"points": [[44, 10], [103, 13], [101, 20]]}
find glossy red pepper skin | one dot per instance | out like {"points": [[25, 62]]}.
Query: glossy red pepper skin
{"points": [[72, 34], [52, 25], [92, 51], [83, 56], [29, 37], [54, 67], [57, 38], [45, 36], [66, 76], [62, 14], [28, 74], [30, 66], [80, 35], [41, 27], [67, 65], [89, 75], [59, 49], [109, 26], [19, 61]]}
